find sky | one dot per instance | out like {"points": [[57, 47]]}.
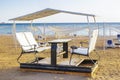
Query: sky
{"points": [[105, 10]]}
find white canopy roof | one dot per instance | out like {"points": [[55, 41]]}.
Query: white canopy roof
{"points": [[45, 13]]}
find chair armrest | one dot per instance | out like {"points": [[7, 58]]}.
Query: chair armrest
{"points": [[73, 47], [34, 46], [42, 44], [29, 45]]}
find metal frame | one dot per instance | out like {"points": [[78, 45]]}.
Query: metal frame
{"points": [[32, 52]]}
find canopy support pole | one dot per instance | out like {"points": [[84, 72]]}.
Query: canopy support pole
{"points": [[95, 21], [32, 26], [14, 28], [13, 33], [88, 26], [110, 34], [96, 24], [104, 37], [44, 32]]}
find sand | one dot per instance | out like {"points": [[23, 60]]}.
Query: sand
{"points": [[109, 63]]}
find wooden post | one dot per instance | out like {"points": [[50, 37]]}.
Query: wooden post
{"points": [[65, 48], [53, 53]]}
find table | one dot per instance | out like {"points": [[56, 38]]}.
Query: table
{"points": [[54, 49]]}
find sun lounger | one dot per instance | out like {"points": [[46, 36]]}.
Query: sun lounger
{"points": [[118, 37]]}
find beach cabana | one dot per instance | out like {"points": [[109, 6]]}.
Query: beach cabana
{"points": [[53, 66]]}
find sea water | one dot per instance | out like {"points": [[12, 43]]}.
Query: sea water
{"points": [[112, 28]]}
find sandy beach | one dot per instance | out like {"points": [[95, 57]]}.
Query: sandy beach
{"points": [[109, 63]]}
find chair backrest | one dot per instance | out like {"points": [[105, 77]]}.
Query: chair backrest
{"points": [[93, 39], [30, 38], [118, 37], [109, 43], [23, 41]]}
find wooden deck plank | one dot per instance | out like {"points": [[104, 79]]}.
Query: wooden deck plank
{"points": [[59, 72], [74, 62]]}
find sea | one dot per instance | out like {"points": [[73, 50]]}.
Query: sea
{"points": [[108, 28]]}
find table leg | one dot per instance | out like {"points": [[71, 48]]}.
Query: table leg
{"points": [[65, 48], [53, 53]]}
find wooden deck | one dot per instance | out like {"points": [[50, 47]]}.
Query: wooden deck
{"points": [[77, 67]]}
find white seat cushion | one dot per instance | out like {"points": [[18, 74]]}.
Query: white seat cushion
{"points": [[81, 50], [42, 49]]}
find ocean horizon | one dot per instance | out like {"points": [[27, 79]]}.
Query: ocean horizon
{"points": [[111, 28]]}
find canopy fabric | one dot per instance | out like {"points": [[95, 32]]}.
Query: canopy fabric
{"points": [[60, 32], [45, 13], [117, 29], [66, 30]]}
